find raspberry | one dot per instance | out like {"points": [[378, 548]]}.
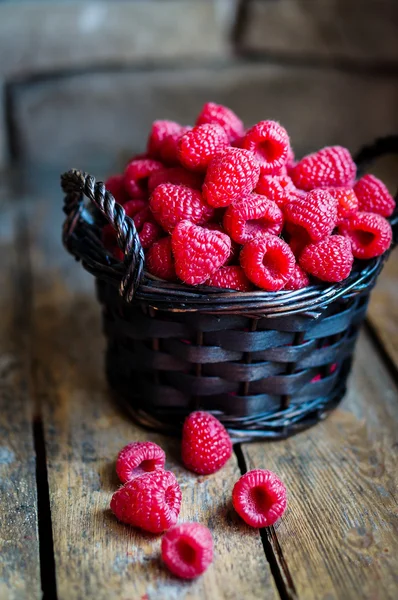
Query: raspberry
{"points": [[278, 188], [136, 175], [115, 185], [330, 167], [198, 146], [171, 204], [347, 202], [176, 175], [252, 216], [298, 280], [169, 147], [268, 262], [221, 115], [151, 501], [235, 248], [148, 230], [198, 252], [230, 175], [132, 207], [329, 260], [317, 214], [373, 196], [160, 261], [259, 498], [269, 142], [159, 132], [230, 278], [370, 234], [137, 458], [187, 550], [206, 445]]}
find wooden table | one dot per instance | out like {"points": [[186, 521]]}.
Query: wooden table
{"points": [[61, 430]]}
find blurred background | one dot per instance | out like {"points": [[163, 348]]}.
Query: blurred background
{"points": [[81, 82]]}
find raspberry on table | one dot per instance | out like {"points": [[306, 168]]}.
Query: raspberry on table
{"points": [[187, 550], [252, 216], [160, 130], [198, 146], [373, 196], [347, 202], [160, 261], [198, 252], [268, 262], [259, 498], [206, 445], [370, 234], [221, 115], [169, 147], [298, 280], [231, 175], [136, 176], [317, 213], [171, 204], [278, 188], [231, 277], [115, 185], [177, 176], [332, 166], [270, 144], [151, 501], [137, 458], [329, 260]]}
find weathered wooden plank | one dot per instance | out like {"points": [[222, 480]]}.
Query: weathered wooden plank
{"points": [[95, 556], [338, 537], [19, 544]]}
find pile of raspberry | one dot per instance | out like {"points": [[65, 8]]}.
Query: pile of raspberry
{"points": [[226, 207], [150, 498]]}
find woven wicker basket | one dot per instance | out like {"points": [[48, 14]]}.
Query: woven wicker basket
{"points": [[266, 364]]}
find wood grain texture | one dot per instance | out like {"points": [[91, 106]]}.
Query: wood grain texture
{"points": [[95, 556], [338, 537], [19, 545]]}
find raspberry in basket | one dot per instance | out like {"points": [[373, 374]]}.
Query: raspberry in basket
{"points": [[160, 260], [252, 216], [347, 202], [151, 502], [330, 167], [206, 445], [259, 498], [278, 188], [230, 176], [137, 458], [373, 196], [176, 175], [316, 213], [270, 144], [298, 280], [231, 277], [221, 115], [169, 147], [329, 260], [148, 230], [187, 550], [115, 185], [370, 234], [159, 132], [268, 262], [171, 204], [198, 146], [136, 176]]}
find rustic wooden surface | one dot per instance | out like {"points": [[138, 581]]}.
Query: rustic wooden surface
{"points": [[337, 540]]}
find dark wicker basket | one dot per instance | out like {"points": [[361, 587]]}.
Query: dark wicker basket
{"points": [[267, 364]]}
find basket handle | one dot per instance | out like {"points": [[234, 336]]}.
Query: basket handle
{"points": [[77, 184]]}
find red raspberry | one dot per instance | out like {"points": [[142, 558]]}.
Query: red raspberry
{"points": [[171, 204], [136, 176], [132, 207], [151, 501], [198, 252], [230, 176], [198, 146], [159, 132], [298, 240], [317, 214], [148, 230], [347, 202], [330, 167], [230, 278], [278, 188], [270, 144], [187, 550], [206, 445], [252, 216], [137, 458], [370, 234], [373, 196], [235, 248], [259, 498], [298, 280], [221, 115], [115, 185], [176, 175], [268, 262], [329, 260], [160, 261], [169, 147]]}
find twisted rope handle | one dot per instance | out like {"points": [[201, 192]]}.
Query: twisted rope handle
{"points": [[77, 184]]}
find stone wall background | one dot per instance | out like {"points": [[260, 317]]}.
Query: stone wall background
{"points": [[81, 82]]}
